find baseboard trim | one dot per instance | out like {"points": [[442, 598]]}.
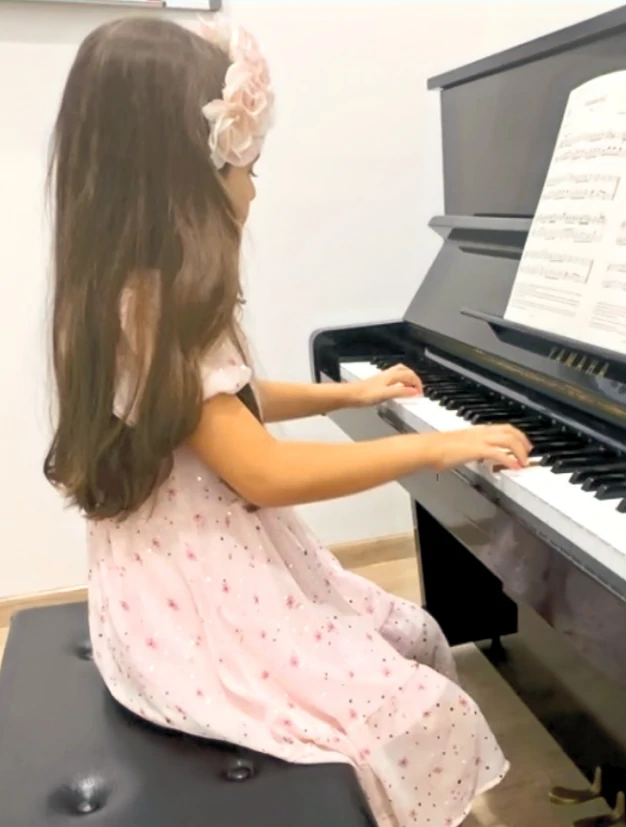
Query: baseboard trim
{"points": [[10, 605], [352, 555], [377, 550]]}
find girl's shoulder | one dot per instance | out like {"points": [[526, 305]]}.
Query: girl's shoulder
{"points": [[224, 369]]}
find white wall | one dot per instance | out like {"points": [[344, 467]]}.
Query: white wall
{"points": [[348, 182]]}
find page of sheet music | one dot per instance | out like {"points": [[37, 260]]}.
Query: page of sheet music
{"points": [[571, 278]]}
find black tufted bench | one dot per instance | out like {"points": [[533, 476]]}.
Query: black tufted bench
{"points": [[70, 755]]}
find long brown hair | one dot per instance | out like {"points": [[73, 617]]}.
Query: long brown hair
{"points": [[140, 210]]}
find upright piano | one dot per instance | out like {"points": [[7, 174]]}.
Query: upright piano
{"points": [[530, 565]]}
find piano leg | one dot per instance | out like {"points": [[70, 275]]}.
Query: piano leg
{"points": [[463, 596]]}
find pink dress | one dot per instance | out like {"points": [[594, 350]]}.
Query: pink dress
{"points": [[239, 626]]}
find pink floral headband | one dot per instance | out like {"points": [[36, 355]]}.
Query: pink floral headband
{"points": [[242, 117]]}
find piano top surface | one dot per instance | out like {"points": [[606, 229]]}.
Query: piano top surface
{"points": [[594, 28]]}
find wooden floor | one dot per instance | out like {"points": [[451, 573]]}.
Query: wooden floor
{"points": [[537, 762]]}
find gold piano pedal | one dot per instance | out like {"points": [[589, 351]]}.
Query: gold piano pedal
{"points": [[616, 818], [564, 795]]}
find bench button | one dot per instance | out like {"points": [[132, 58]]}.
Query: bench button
{"points": [[81, 797], [240, 770], [84, 650]]}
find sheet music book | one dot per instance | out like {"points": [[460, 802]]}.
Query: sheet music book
{"points": [[571, 278]]}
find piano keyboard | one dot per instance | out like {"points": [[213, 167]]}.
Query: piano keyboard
{"points": [[575, 487]]}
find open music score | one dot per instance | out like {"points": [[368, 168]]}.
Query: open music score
{"points": [[571, 278]]}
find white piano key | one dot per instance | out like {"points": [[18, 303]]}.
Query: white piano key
{"points": [[595, 526], [356, 371]]}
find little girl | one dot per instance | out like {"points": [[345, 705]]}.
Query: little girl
{"points": [[213, 611]]}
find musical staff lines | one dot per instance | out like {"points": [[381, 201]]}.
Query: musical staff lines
{"points": [[581, 187]]}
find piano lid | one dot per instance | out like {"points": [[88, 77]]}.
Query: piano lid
{"points": [[500, 119]]}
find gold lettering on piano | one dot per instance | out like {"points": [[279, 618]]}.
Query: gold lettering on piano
{"points": [[571, 359], [618, 411], [578, 361]]}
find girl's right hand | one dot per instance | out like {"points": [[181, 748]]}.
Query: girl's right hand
{"points": [[501, 445]]}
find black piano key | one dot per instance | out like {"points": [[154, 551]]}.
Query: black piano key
{"points": [[553, 450], [473, 394], [466, 410], [622, 507], [616, 466], [453, 398], [384, 362], [445, 387], [556, 449], [434, 395], [549, 457], [543, 431], [437, 394], [556, 443], [495, 418], [486, 403], [548, 452], [505, 410], [453, 403], [477, 410], [567, 465], [612, 491], [560, 439], [440, 387], [459, 399], [593, 483], [494, 406], [536, 423], [568, 447]]}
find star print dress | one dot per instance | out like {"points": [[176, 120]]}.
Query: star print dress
{"points": [[237, 625]]}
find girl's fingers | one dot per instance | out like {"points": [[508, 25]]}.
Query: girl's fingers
{"points": [[400, 374]]}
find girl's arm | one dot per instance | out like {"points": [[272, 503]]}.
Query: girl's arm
{"points": [[270, 473], [281, 401]]}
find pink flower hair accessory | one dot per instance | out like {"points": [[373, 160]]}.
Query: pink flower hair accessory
{"points": [[240, 120]]}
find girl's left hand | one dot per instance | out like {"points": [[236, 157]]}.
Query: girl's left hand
{"points": [[398, 382]]}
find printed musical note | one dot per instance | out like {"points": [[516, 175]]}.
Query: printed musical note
{"points": [[581, 187]]}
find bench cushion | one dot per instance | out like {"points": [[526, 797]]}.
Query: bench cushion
{"points": [[67, 749]]}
